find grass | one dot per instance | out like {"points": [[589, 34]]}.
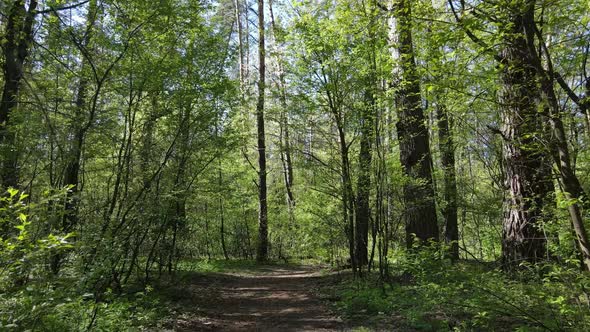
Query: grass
{"points": [[218, 266]]}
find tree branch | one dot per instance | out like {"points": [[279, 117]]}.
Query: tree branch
{"points": [[472, 36], [54, 9]]}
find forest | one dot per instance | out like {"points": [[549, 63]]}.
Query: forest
{"points": [[295, 165]]}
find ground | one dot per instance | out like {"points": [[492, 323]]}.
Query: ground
{"points": [[267, 298]]}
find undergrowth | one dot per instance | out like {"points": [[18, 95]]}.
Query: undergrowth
{"points": [[430, 294], [32, 298], [47, 308]]}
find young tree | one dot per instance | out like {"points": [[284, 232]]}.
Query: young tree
{"points": [[447, 156]]}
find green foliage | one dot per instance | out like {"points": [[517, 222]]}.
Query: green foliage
{"points": [[31, 298], [55, 307], [24, 245], [432, 294], [165, 158]]}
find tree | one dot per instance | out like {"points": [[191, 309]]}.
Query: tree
{"points": [[527, 184], [558, 145], [81, 123], [262, 252], [447, 156], [19, 37], [367, 119], [420, 209]]}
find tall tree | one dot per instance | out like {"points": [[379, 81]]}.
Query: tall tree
{"points": [[363, 211], [262, 252], [415, 157], [525, 179], [284, 130], [81, 122], [18, 40], [367, 118]]}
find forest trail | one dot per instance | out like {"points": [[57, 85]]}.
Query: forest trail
{"points": [[268, 298]]}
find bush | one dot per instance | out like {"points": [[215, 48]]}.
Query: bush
{"points": [[32, 298]]}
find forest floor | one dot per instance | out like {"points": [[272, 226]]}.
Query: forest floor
{"points": [[260, 298], [225, 295]]}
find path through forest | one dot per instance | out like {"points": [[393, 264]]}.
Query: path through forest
{"points": [[269, 298]]}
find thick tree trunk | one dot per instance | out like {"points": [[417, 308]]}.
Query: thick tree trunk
{"points": [[420, 208], [527, 184], [447, 152], [18, 38], [262, 252]]}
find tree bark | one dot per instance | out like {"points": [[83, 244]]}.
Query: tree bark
{"points": [[262, 252], [347, 193], [363, 211], [527, 184], [415, 157], [19, 36]]}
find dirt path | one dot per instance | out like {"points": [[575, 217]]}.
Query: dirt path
{"points": [[271, 298]]}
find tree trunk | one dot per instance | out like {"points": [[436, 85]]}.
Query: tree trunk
{"points": [[420, 208], [447, 151], [180, 189], [573, 190], [347, 193], [363, 211], [79, 127], [221, 214], [242, 65], [284, 123], [527, 184], [18, 38], [262, 253]]}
